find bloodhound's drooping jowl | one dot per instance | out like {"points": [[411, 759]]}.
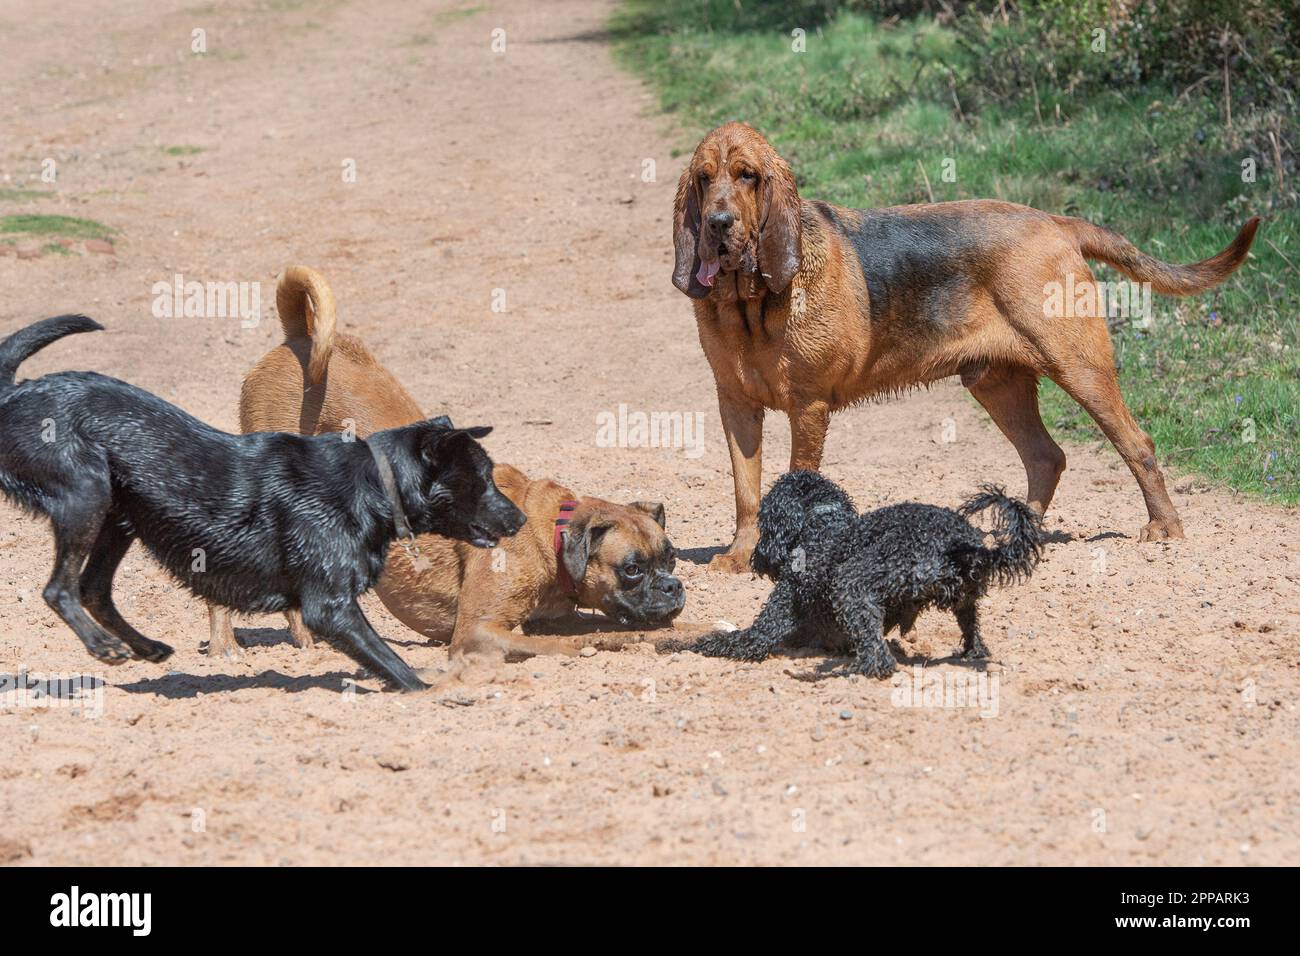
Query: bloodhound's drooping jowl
{"points": [[807, 308]]}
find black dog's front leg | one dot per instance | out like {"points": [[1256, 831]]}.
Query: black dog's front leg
{"points": [[862, 622], [774, 625], [973, 647], [341, 623]]}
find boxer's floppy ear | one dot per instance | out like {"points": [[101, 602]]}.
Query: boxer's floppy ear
{"points": [[654, 509], [581, 539], [780, 230], [686, 235]]}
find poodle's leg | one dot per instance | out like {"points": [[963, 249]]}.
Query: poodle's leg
{"points": [[774, 625], [863, 623], [905, 616], [972, 645]]}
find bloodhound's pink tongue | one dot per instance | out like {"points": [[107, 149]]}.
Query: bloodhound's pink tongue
{"points": [[707, 271]]}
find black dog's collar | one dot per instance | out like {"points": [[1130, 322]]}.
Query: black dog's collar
{"points": [[824, 507], [390, 490]]}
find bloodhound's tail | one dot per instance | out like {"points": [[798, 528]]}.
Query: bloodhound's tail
{"points": [[1096, 242]]}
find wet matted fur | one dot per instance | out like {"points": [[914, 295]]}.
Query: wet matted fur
{"points": [[845, 580], [262, 522], [808, 308]]}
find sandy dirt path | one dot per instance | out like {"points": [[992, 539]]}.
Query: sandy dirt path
{"points": [[1143, 702]]}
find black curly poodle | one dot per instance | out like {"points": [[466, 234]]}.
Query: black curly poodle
{"points": [[845, 580]]}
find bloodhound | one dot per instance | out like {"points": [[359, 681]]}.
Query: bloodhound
{"points": [[808, 308]]}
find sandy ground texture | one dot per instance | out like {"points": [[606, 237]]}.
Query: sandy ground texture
{"points": [[1141, 705]]}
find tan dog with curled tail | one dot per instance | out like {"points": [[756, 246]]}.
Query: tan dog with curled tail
{"points": [[615, 558]]}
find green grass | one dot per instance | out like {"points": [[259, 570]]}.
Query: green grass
{"points": [[461, 13], [22, 195], [442, 19], [182, 150], [868, 106], [34, 225]]}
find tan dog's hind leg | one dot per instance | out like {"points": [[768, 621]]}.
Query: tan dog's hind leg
{"points": [[1097, 390], [298, 630], [743, 424], [498, 642], [221, 633], [478, 654], [1010, 396], [1083, 364]]}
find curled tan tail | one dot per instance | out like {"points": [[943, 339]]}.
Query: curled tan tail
{"points": [[1113, 249], [306, 306]]}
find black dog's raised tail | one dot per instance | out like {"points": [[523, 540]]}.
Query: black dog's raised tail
{"points": [[25, 343], [1019, 531]]}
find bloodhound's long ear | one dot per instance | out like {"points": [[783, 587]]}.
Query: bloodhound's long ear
{"points": [[581, 538], [686, 235], [780, 230]]}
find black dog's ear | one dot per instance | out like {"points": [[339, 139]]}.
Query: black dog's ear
{"points": [[686, 235], [440, 439], [442, 421], [769, 555], [654, 509], [580, 540]]}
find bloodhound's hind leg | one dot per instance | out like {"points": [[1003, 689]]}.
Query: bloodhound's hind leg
{"points": [[1097, 390], [1076, 353]]}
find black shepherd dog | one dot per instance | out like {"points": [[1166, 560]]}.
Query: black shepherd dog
{"points": [[259, 523]]}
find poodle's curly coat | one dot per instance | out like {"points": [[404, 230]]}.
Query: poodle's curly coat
{"points": [[845, 580]]}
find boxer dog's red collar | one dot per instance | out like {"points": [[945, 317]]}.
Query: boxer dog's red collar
{"points": [[562, 575]]}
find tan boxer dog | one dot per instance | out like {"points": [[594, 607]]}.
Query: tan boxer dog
{"points": [[574, 550]]}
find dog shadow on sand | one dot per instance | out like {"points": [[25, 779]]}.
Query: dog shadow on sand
{"points": [[826, 668], [699, 555], [178, 686]]}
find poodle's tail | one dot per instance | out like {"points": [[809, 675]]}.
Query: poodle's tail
{"points": [[25, 343], [1019, 533]]}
